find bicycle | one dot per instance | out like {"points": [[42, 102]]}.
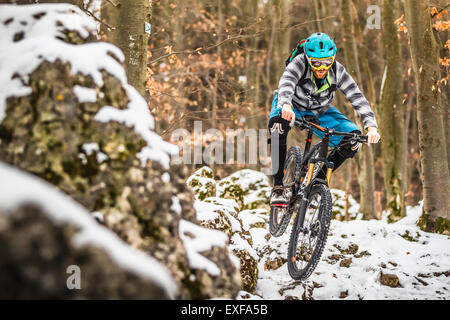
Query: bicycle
{"points": [[311, 199]]}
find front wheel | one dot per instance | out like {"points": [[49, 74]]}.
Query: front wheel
{"points": [[308, 240]]}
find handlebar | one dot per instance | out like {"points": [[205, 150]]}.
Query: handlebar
{"points": [[303, 124]]}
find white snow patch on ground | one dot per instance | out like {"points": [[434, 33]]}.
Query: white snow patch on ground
{"points": [[421, 266], [17, 188]]}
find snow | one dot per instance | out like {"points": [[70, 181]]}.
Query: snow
{"points": [[208, 210], [205, 211], [421, 265], [243, 79], [237, 243], [18, 59], [138, 117], [198, 239], [90, 148], [165, 177], [244, 295], [338, 201], [85, 94], [249, 217], [246, 178], [390, 253], [17, 188], [176, 206]]}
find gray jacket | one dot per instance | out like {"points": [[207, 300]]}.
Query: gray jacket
{"points": [[305, 95]]}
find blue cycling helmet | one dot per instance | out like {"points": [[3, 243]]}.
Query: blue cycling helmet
{"points": [[320, 45]]}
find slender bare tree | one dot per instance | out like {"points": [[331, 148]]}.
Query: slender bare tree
{"points": [[125, 27]]}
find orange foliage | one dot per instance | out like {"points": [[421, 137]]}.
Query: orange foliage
{"points": [[445, 62], [401, 23], [441, 25]]}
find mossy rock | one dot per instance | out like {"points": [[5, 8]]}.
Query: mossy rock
{"points": [[345, 263], [235, 192], [202, 187], [258, 199], [205, 172], [431, 224], [202, 183], [37, 251], [44, 133], [249, 270], [351, 249], [226, 218], [407, 236], [390, 280], [274, 264], [244, 186], [221, 222]]}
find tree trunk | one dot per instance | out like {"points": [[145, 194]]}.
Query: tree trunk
{"points": [[128, 18], [442, 37], [367, 152], [392, 115], [432, 146], [364, 159], [317, 14]]}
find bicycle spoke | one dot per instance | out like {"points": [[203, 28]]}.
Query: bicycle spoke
{"points": [[307, 240]]}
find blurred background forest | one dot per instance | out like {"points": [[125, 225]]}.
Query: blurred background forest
{"points": [[219, 61]]}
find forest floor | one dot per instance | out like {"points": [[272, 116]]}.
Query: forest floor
{"points": [[361, 260]]}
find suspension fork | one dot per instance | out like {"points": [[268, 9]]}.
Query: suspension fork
{"points": [[305, 152]]}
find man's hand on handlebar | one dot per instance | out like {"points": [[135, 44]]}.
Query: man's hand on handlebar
{"points": [[287, 113], [372, 135]]}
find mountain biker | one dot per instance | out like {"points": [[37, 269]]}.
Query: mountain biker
{"points": [[306, 88]]}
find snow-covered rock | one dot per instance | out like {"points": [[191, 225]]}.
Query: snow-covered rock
{"points": [[250, 188], [100, 148], [43, 232], [243, 189], [202, 183], [362, 259], [222, 214]]}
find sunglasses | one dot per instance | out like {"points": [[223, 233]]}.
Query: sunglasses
{"points": [[320, 64]]}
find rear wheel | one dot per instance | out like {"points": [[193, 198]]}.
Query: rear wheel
{"points": [[280, 216], [308, 241]]}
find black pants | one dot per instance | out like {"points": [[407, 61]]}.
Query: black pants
{"points": [[279, 129]]}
